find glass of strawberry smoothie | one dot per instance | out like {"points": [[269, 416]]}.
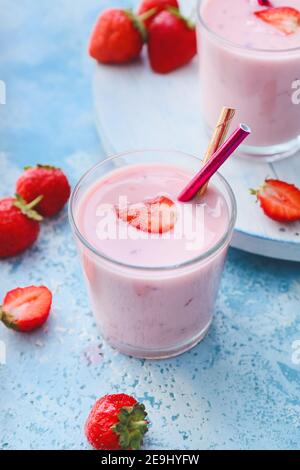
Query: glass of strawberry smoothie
{"points": [[247, 61], [152, 265]]}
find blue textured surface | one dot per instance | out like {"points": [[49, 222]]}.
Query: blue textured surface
{"points": [[238, 389]]}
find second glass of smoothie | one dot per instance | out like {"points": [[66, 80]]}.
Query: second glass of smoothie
{"points": [[250, 65], [153, 294]]}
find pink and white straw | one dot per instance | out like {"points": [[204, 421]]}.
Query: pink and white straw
{"points": [[214, 163]]}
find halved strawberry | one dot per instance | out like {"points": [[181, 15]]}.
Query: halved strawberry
{"points": [[25, 309], [285, 19], [157, 215], [279, 200]]}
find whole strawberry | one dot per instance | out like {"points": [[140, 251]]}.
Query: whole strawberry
{"points": [[157, 6], [26, 308], [279, 200], [171, 41], [118, 37], [116, 422], [46, 181], [19, 225]]}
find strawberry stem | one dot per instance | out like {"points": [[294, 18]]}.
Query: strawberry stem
{"points": [[34, 203], [145, 16], [28, 208], [138, 23], [175, 11]]}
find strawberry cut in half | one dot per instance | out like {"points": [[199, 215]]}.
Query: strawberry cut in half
{"points": [[279, 200], [26, 309], [157, 215], [285, 19]]}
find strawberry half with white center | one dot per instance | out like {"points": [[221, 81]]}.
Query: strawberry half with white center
{"points": [[26, 309], [279, 200], [285, 19], [116, 422], [157, 215]]}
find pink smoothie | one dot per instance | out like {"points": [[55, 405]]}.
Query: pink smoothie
{"points": [[248, 64], [160, 311]]}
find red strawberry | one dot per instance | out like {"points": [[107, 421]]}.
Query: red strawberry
{"points": [[118, 37], [47, 181], [19, 225], [171, 41], [285, 19], [25, 309], [157, 6], [157, 215], [116, 422], [279, 200]]}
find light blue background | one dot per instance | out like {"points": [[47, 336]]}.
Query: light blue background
{"points": [[238, 389]]}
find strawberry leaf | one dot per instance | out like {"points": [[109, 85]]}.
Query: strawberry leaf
{"points": [[132, 426]]}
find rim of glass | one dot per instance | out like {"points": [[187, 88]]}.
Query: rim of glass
{"points": [[221, 242], [234, 44]]}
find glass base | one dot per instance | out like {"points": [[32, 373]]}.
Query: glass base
{"points": [[271, 153], [160, 354]]}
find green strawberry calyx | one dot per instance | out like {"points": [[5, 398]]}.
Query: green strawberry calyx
{"points": [[28, 208], [132, 426], [254, 192], [175, 11], [260, 190], [7, 319], [139, 21], [45, 167]]}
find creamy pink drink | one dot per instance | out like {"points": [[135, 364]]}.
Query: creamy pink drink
{"points": [[251, 65], [152, 294]]}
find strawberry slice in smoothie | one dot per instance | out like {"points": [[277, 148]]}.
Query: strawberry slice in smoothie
{"points": [[285, 19], [157, 215]]}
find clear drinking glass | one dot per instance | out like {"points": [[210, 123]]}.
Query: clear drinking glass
{"points": [[164, 322], [259, 83]]}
